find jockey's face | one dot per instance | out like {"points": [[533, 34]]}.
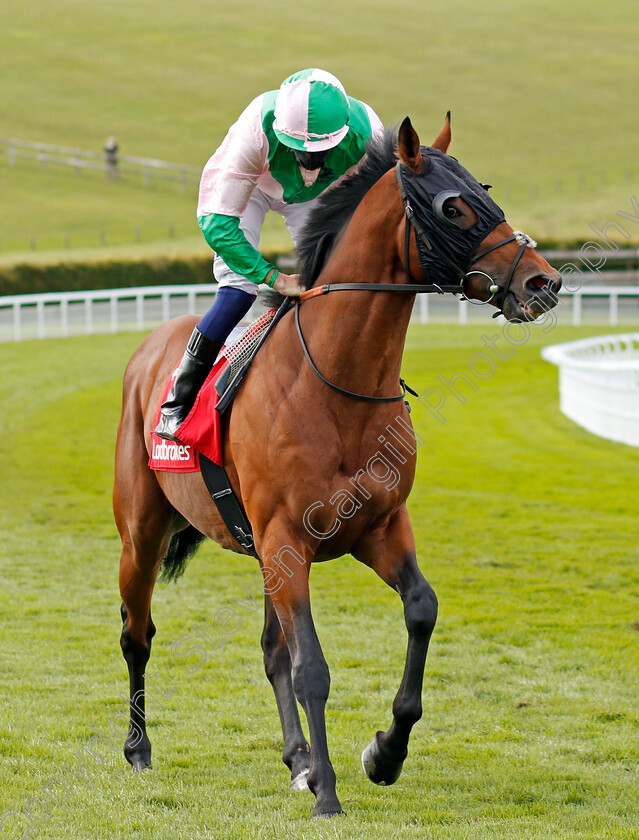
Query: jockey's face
{"points": [[311, 160]]}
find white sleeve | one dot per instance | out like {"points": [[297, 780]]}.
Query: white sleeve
{"points": [[231, 174], [377, 132], [377, 126]]}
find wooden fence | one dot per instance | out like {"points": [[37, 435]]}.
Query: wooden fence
{"points": [[81, 159]]}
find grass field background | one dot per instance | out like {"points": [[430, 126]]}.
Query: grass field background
{"points": [[526, 526], [542, 94]]}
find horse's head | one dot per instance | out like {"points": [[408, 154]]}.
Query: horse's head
{"points": [[462, 235]]}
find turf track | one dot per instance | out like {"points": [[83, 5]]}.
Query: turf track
{"points": [[526, 527]]}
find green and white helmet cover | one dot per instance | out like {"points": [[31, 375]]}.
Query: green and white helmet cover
{"points": [[311, 111]]}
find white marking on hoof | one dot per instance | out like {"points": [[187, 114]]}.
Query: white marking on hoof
{"points": [[300, 782], [368, 763]]}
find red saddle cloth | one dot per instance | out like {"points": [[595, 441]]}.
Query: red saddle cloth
{"points": [[200, 432], [202, 428]]}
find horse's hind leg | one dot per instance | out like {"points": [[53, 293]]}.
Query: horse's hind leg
{"points": [[144, 518], [138, 570], [391, 554], [277, 664]]}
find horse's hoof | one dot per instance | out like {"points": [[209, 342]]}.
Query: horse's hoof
{"points": [[140, 762], [327, 813], [380, 768], [139, 766], [300, 782]]}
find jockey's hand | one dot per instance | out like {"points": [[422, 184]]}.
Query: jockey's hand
{"points": [[289, 284]]}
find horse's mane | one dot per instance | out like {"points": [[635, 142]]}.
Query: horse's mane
{"points": [[337, 205]]}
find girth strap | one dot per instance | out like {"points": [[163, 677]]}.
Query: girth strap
{"points": [[219, 486]]}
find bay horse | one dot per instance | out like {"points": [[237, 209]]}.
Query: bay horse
{"points": [[305, 459]]}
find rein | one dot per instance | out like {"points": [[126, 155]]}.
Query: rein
{"points": [[330, 384]]}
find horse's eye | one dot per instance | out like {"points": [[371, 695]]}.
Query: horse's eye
{"points": [[450, 211]]}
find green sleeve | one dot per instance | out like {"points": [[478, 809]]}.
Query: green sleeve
{"points": [[225, 237]]}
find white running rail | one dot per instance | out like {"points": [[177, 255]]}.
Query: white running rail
{"points": [[61, 314], [599, 384]]}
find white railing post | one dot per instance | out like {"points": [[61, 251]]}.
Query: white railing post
{"points": [[139, 310], [40, 318], [463, 311], [17, 322], [113, 304], [88, 315], [165, 306], [64, 318], [423, 309], [614, 309], [576, 308]]}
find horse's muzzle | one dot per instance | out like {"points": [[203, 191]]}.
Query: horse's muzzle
{"points": [[542, 291]]}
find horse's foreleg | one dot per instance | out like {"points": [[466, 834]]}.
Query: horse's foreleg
{"points": [[288, 585], [392, 555], [277, 664]]}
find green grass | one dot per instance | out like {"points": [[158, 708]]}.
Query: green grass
{"points": [[541, 92], [86, 216], [526, 526]]}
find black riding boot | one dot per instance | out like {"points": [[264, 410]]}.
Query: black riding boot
{"points": [[189, 378]]}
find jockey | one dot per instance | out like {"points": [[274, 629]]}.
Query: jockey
{"points": [[286, 148]]}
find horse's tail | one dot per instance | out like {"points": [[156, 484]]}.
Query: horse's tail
{"points": [[182, 547]]}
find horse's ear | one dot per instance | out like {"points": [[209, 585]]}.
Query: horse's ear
{"points": [[442, 141], [408, 146]]}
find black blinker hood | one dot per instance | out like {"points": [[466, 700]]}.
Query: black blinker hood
{"points": [[443, 174]]}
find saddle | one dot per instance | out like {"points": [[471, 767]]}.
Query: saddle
{"points": [[200, 448]]}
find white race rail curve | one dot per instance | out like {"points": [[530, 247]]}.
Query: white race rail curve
{"points": [[599, 384], [60, 314]]}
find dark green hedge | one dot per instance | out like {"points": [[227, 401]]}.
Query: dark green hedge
{"points": [[29, 279], [111, 274]]}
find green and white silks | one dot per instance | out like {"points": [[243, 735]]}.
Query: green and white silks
{"points": [[252, 158]]}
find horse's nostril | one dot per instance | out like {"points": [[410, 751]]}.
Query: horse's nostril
{"points": [[539, 281], [544, 283]]}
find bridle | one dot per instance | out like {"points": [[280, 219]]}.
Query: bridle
{"points": [[497, 293]]}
